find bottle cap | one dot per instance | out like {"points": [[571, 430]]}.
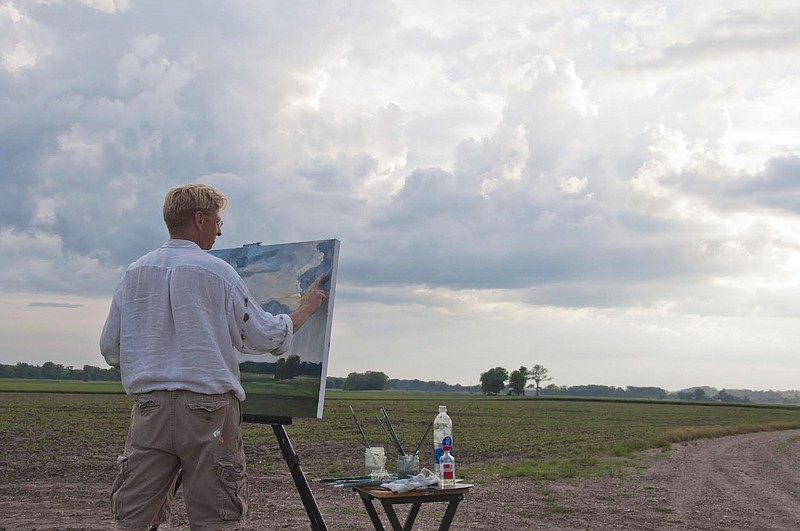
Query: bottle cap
{"points": [[442, 409]]}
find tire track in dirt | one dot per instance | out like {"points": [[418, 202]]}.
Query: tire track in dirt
{"points": [[750, 481], [740, 482]]}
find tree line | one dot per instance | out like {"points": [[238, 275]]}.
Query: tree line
{"points": [[496, 380], [283, 369], [493, 382], [379, 381], [56, 371]]}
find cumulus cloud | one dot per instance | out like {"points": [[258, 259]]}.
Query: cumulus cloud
{"points": [[609, 157]]}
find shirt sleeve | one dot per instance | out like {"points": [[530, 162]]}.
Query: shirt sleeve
{"points": [[255, 331], [110, 337]]}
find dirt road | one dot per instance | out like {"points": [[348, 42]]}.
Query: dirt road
{"points": [[742, 482]]}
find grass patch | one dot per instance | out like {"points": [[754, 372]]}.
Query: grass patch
{"points": [[495, 437], [584, 467], [692, 433], [554, 506], [22, 385]]}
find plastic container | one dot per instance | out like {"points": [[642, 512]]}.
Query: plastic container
{"points": [[375, 461], [407, 466], [442, 427]]}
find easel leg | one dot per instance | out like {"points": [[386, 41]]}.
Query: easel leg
{"points": [[291, 458]]}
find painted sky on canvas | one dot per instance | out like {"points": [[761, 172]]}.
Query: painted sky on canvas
{"points": [[609, 189]]}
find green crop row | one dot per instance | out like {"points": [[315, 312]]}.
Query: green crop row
{"points": [[493, 436]]}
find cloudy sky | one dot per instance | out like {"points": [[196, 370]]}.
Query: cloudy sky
{"points": [[610, 191]]}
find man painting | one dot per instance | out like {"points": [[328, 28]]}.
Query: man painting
{"points": [[175, 319]]}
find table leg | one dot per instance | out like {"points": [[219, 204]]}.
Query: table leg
{"points": [[449, 514], [376, 521], [396, 525], [395, 521], [415, 501], [412, 515]]}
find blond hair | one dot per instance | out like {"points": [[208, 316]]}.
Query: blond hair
{"points": [[182, 202]]}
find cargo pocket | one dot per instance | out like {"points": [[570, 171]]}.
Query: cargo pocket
{"points": [[234, 491], [207, 406], [146, 419], [116, 495], [146, 404]]}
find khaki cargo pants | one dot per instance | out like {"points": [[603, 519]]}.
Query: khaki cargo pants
{"points": [[195, 433]]}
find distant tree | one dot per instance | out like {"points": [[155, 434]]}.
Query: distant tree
{"points": [[655, 393], [600, 391], [518, 380], [493, 381], [51, 371], [431, 386], [539, 374], [725, 396], [699, 394], [554, 389], [334, 382], [25, 370], [368, 381]]}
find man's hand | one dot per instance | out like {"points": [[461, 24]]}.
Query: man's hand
{"points": [[313, 296], [310, 301]]}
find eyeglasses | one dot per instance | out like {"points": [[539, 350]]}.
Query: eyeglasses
{"points": [[218, 222]]}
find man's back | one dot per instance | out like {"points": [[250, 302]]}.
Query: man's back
{"points": [[174, 330]]}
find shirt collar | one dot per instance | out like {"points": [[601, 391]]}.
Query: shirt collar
{"points": [[176, 243]]}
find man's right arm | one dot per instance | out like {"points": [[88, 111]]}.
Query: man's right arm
{"points": [[255, 331]]}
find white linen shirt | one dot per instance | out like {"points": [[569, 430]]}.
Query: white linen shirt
{"points": [[176, 317]]}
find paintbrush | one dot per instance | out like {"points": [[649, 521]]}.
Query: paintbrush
{"points": [[392, 439], [423, 438], [360, 429], [391, 429]]}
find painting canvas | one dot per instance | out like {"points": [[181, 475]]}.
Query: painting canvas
{"points": [[292, 385]]}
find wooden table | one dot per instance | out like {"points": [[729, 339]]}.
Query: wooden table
{"points": [[451, 495]]}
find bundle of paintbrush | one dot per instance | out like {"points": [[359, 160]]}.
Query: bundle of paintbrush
{"points": [[386, 424]]}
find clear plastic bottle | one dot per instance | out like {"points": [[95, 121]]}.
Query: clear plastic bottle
{"points": [[447, 465], [442, 427]]}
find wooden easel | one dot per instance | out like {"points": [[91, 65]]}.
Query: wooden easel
{"points": [[293, 461]]}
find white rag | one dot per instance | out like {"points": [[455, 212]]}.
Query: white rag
{"points": [[423, 480]]}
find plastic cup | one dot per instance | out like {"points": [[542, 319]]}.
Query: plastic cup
{"points": [[374, 461], [407, 466]]}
